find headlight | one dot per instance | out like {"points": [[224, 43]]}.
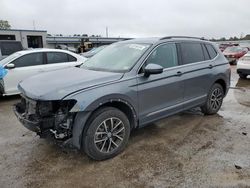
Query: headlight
{"points": [[48, 108], [45, 108]]}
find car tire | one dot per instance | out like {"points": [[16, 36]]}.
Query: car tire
{"points": [[234, 62], [106, 134], [214, 100], [243, 76]]}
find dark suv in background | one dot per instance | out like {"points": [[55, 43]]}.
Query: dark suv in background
{"points": [[127, 85], [8, 47]]}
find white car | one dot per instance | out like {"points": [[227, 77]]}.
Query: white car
{"points": [[24, 64], [243, 66]]}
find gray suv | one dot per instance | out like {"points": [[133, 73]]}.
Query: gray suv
{"points": [[127, 85]]}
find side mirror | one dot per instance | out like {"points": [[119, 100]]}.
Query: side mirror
{"points": [[10, 66], [152, 69]]}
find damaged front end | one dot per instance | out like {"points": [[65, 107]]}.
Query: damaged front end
{"points": [[47, 118]]}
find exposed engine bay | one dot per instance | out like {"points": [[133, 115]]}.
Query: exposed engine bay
{"points": [[47, 118]]}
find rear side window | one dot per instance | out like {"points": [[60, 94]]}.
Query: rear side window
{"points": [[212, 52], [71, 58], [205, 52], [191, 53], [164, 55], [56, 57], [8, 48], [29, 60]]}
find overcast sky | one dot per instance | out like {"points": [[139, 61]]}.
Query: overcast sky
{"points": [[131, 18]]}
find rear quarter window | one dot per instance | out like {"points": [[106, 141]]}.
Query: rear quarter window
{"points": [[71, 58], [211, 51]]}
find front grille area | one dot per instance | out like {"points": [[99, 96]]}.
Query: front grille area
{"points": [[46, 118], [29, 110], [28, 107]]}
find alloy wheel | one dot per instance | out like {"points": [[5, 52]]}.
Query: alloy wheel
{"points": [[109, 135], [216, 99]]}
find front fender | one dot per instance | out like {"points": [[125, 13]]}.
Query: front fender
{"points": [[79, 124], [90, 100], [91, 104], [85, 111]]}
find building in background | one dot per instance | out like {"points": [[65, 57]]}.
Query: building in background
{"points": [[40, 39], [28, 38], [75, 41]]}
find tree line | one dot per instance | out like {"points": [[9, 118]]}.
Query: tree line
{"points": [[247, 37], [4, 24]]}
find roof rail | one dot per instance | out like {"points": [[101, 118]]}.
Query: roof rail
{"points": [[170, 37]]}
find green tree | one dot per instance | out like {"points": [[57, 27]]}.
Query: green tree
{"points": [[223, 39], [4, 24], [235, 38]]}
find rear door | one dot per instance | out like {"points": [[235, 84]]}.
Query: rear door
{"points": [[197, 72], [161, 94], [59, 60], [25, 66]]}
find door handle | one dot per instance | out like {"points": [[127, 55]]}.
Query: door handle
{"points": [[210, 66], [179, 73]]}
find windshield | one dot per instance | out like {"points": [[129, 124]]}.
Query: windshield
{"points": [[118, 57], [9, 58], [233, 49], [95, 50]]}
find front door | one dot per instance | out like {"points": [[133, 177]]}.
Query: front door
{"points": [[25, 66], [161, 94]]}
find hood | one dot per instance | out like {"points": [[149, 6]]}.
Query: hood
{"points": [[55, 85]]}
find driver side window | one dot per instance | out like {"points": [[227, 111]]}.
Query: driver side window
{"points": [[164, 55], [32, 59]]}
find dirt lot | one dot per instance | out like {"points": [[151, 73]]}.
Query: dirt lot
{"points": [[186, 150]]}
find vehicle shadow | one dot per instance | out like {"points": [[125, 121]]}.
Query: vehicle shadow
{"points": [[168, 142], [4, 99], [242, 92], [243, 82], [163, 127]]}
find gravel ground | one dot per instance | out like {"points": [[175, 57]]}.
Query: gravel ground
{"points": [[185, 150]]}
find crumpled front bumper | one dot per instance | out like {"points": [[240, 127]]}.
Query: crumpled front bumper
{"points": [[31, 125]]}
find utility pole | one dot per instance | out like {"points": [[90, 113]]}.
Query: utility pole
{"points": [[107, 32], [34, 25]]}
